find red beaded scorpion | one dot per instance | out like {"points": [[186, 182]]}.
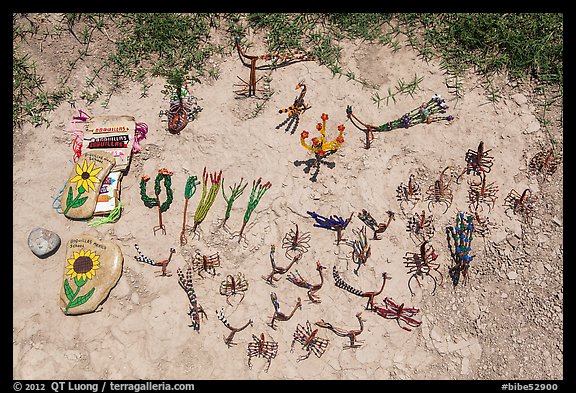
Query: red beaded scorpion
{"points": [[477, 162], [482, 193], [205, 263], [408, 193], [310, 341], [296, 278], [422, 263], [522, 204], [421, 227]]}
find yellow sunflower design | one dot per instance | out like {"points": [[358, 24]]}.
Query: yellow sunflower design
{"points": [[81, 267], [85, 180]]}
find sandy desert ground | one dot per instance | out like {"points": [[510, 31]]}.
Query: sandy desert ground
{"points": [[505, 323]]}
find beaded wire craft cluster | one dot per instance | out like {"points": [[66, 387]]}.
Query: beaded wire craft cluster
{"points": [[461, 235]]}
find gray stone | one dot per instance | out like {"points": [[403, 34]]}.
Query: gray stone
{"points": [[43, 242], [512, 275]]}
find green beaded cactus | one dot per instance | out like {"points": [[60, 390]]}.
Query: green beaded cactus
{"points": [[150, 202], [189, 191], [206, 201]]}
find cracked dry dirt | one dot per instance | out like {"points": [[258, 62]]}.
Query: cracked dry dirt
{"points": [[506, 323]]}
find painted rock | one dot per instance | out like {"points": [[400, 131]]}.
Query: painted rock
{"points": [[92, 268], [43, 242], [81, 193]]}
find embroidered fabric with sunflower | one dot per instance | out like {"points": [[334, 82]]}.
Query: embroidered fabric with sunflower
{"points": [[81, 267], [86, 181]]}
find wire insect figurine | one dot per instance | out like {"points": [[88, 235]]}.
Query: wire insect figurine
{"points": [[477, 161], [421, 227], [296, 243], [295, 110], [205, 263], [186, 282], [440, 191], [163, 263], [367, 219], [279, 315], [310, 341], [260, 347], [298, 280], [409, 193], [391, 310], [421, 264], [482, 193], [545, 162], [234, 285], [333, 223], [229, 340]]}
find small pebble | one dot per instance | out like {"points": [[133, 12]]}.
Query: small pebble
{"points": [[512, 275], [43, 242]]}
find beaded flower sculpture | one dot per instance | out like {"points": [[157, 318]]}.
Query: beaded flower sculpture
{"points": [[206, 201], [150, 202], [258, 190], [321, 147], [235, 191], [426, 113], [461, 234], [189, 191]]}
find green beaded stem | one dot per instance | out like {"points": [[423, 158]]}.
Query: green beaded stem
{"points": [[153, 202], [235, 192], [190, 188], [254, 199], [206, 201]]}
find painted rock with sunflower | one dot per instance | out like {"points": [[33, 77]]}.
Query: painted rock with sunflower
{"points": [[92, 269], [81, 193]]}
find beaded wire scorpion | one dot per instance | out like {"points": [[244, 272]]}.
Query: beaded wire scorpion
{"points": [[520, 204], [260, 347], [310, 341], [298, 280], [234, 285], [545, 162], [295, 242], [295, 110], [440, 191], [421, 227], [408, 193], [422, 264], [340, 283], [477, 162], [228, 340], [164, 263], [482, 193], [186, 282]]}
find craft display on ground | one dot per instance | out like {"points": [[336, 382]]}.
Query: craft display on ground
{"points": [[92, 268]]}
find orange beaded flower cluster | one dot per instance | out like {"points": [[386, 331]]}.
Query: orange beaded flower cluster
{"points": [[321, 146]]}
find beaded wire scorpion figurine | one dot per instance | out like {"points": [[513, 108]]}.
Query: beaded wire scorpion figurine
{"points": [[545, 162], [425, 113], [440, 191], [228, 340], [279, 315], [461, 235], [295, 110], [295, 242], [408, 193], [164, 263], [310, 341], [482, 193], [422, 264], [391, 310], [234, 285], [351, 334], [520, 204], [373, 224], [340, 283], [186, 282], [298, 280], [477, 162], [260, 347], [421, 227]]}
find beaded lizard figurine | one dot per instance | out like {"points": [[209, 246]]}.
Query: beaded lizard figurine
{"points": [[186, 282]]}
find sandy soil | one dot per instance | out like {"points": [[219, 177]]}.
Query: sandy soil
{"points": [[506, 323]]}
